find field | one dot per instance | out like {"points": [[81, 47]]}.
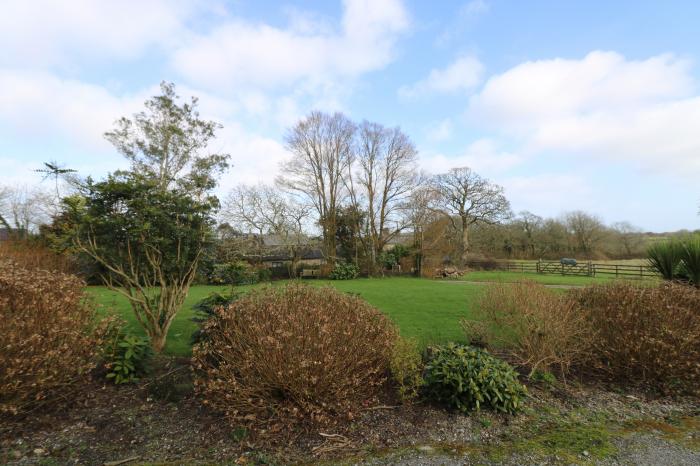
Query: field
{"points": [[428, 310]]}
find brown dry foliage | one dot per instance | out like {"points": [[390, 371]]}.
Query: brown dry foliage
{"points": [[538, 328], [49, 338], [294, 355], [35, 256], [646, 334]]}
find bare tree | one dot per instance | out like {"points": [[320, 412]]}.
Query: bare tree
{"points": [[467, 199], [321, 147], [261, 210], [384, 176], [587, 230], [629, 237], [24, 209]]}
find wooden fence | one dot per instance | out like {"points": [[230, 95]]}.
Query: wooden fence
{"points": [[588, 269]]}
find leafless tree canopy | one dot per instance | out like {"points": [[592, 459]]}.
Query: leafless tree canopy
{"points": [[381, 180], [587, 230], [263, 211], [322, 150], [24, 209], [469, 199]]}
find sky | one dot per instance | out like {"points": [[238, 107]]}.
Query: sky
{"points": [[569, 105]]}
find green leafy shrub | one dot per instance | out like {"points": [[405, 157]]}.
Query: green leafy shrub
{"points": [[538, 328], [263, 275], [50, 337], [467, 378], [690, 259], [206, 309], [646, 334], [293, 354], [665, 258], [127, 358], [344, 271], [406, 366], [234, 273]]}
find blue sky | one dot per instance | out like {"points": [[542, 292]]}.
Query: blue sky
{"points": [[569, 105]]}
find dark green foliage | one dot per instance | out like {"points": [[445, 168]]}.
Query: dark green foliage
{"points": [[390, 258], [344, 271], [234, 273], [677, 259], [690, 260], [467, 378], [665, 258], [127, 358], [206, 309]]}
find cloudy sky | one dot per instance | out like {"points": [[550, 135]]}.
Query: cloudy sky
{"points": [[591, 105]]}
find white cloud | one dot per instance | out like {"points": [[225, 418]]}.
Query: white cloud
{"points": [[549, 194], [68, 113], [474, 8], [39, 104], [441, 130], [643, 113], [485, 156], [240, 53], [43, 33], [459, 76]]}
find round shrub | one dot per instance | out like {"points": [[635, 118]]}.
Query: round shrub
{"points": [[646, 334], [296, 354], [467, 378], [344, 271], [49, 338]]}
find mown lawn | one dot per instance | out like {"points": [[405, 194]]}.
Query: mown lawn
{"points": [[429, 310], [497, 276]]}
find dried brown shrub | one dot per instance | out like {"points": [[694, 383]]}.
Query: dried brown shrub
{"points": [[48, 337], [646, 334], [538, 328], [293, 354], [32, 255]]}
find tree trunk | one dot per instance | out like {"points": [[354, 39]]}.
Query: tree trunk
{"points": [[158, 342], [465, 241]]}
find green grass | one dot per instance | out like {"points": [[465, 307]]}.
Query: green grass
{"points": [[428, 310], [497, 276]]}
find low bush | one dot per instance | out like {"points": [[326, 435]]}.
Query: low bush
{"points": [[293, 354], [127, 357], [234, 273], [538, 328], [50, 340], [665, 258], [344, 271], [690, 260], [646, 334], [207, 309], [467, 378], [32, 255], [677, 259], [406, 366]]}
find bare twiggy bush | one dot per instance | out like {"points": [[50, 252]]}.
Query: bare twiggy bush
{"points": [[294, 355], [49, 337], [538, 328], [644, 334], [35, 256]]}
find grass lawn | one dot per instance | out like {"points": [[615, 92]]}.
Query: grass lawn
{"points": [[497, 276], [429, 310]]}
